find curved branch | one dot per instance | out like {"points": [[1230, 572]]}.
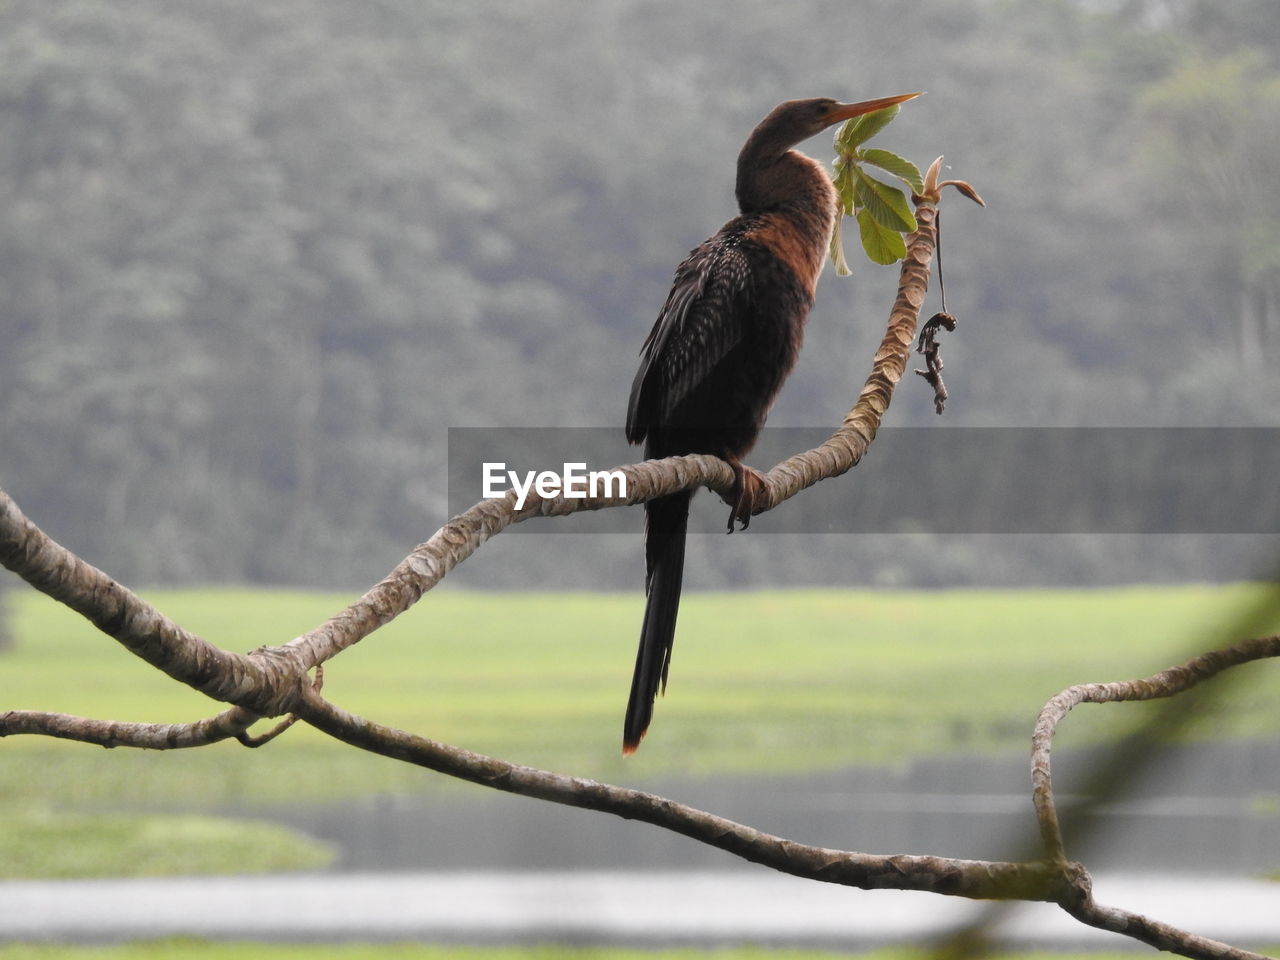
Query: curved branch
{"points": [[1162, 936], [453, 543], [978, 879], [267, 681], [1166, 683], [1058, 881], [846, 447], [263, 683]]}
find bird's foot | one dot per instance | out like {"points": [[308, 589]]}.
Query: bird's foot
{"points": [[749, 495]]}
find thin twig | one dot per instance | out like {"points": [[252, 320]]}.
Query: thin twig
{"points": [[121, 733]]}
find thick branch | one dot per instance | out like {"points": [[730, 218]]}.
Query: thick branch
{"points": [[257, 683]]}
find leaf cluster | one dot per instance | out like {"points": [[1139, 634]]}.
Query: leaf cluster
{"points": [[883, 213]]}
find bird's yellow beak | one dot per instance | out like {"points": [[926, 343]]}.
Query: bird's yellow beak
{"points": [[846, 110]]}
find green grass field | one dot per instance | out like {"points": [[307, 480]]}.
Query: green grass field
{"points": [[762, 682]]}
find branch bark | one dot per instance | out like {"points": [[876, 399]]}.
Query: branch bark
{"points": [[122, 733], [260, 683], [268, 681]]}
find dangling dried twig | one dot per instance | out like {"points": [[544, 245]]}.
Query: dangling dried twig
{"points": [[929, 346]]}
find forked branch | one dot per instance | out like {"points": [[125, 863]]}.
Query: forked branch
{"points": [[1167, 683]]}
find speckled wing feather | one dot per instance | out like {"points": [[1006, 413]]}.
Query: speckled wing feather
{"points": [[702, 320]]}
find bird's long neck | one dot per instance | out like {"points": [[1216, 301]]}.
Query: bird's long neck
{"points": [[770, 177], [794, 191]]}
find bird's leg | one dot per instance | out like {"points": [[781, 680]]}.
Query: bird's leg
{"points": [[748, 495]]}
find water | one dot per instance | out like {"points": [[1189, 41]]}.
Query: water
{"points": [[1203, 808], [648, 909], [1183, 846]]}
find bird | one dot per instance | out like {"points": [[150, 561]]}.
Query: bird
{"points": [[725, 340]]}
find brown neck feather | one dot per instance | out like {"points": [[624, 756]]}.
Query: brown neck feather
{"points": [[792, 186], [787, 179]]}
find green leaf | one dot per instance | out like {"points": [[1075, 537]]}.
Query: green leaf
{"points": [[885, 204], [837, 250], [901, 168], [882, 245], [861, 129]]}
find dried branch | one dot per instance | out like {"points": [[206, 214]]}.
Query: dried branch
{"points": [[932, 350]]}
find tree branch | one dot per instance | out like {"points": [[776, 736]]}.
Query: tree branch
{"points": [[121, 733], [264, 682], [978, 879], [1167, 683], [1162, 936], [267, 681]]}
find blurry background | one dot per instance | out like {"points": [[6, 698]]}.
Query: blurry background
{"points": [[255, 259]]}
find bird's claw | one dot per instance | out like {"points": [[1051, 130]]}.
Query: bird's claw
{"points": [[748, 496]]}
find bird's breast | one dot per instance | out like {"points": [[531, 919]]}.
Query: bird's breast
{"points": [[799, 241]]}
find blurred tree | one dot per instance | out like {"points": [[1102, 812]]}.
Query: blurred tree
{"points": [[256, 258], [1223, 116]]}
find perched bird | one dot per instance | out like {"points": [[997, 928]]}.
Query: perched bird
{"points": [[725, 340]]}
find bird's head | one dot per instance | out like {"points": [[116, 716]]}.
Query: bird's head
{"points": [[769, 172], [794, 121]]}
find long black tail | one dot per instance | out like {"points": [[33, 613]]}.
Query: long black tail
{"points": [[666, 520]]}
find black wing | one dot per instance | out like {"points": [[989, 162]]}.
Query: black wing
{"points": [[704, 317]]}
